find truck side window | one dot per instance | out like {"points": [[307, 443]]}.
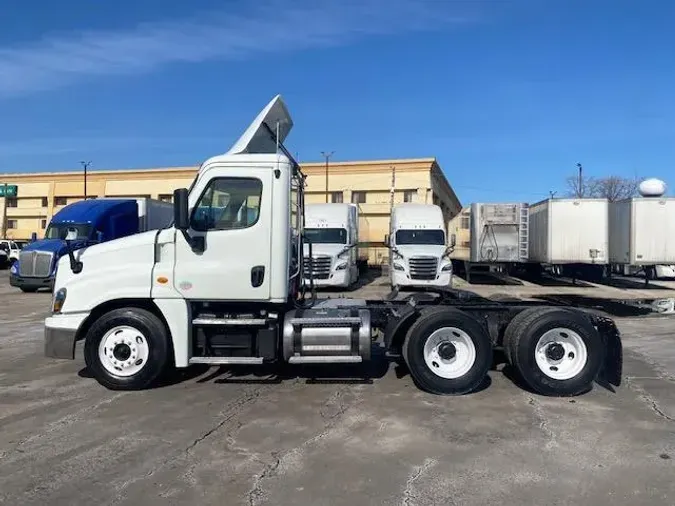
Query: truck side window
{"points": [[228, 203]]}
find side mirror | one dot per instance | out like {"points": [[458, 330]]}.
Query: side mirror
{"points": [[181, 218], [453, 240], [386, 239], [99, 236]]}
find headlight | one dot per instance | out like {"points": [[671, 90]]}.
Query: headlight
{"points": [[447, 268], [341, 267], [15, 268], [59, 299], [398, 267]]}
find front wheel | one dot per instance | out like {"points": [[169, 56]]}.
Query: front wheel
{"points": [[448, 352], [555, 351], [127, 349]]}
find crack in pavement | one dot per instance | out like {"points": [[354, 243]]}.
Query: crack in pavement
{"points": [[543, 422], [257, 493], [408, 492], [228, 413], [648, 399]]}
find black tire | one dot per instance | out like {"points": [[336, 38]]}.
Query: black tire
{"points": [[521, 338], [156, 335], [27, 289], [431, 320]]}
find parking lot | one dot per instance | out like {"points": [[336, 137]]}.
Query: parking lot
{"points": [[233, 436]]}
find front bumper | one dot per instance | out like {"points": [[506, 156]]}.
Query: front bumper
{"points": [[31, 283], [400, 278], [61, 332]]}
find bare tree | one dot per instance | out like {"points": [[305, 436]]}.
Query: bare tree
{"points": [[615, 188], [611, 187]]}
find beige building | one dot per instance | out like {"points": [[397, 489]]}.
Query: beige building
{"points": [[368, 184], [460, 226]]}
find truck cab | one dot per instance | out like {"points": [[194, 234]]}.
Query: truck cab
{"points": [[417, 241], [77, 226], [332, 230]]}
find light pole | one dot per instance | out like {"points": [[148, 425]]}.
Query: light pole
{"points": [[85, 165], [327, 156]]}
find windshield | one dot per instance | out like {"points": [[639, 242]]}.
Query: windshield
{"points": [[326, 235], [436, 237], [69, 231]]}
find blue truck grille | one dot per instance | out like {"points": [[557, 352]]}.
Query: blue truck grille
{"points": [[35, 264]]}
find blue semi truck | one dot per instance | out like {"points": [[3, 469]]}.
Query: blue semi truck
{"points": [[83, 224]]}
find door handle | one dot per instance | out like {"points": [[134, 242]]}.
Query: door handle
{"points": [[257, 275]]}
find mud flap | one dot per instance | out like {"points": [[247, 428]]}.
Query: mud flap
{"points": [[612, 367]]}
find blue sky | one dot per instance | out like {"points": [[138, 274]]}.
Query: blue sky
{"points": [[508, 94]]}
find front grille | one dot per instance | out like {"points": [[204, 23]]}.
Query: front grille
{"points": [[423, 268], [37, 264], [320, 267]]}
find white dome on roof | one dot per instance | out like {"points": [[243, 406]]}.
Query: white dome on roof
{"points": [[652, 187]]}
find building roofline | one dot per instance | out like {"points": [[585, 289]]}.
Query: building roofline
{"points": [[113, 172]]}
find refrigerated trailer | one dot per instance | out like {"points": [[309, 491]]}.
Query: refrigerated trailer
{"points": [[570, 235], [642, 232], [225, 290]]}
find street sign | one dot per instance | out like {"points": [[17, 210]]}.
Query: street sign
{"points": [[8, 190]]}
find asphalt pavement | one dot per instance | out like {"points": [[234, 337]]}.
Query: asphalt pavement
{"points": [[299, 437]]}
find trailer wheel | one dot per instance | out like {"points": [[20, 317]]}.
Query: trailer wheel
{"points": [[127, 349], [447, 352], [555, 351]]}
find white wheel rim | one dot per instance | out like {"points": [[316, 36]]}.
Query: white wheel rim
{"points": [[573, 351], [464, 356], [123, 351]]}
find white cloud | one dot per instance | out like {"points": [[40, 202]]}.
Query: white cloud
{"points": [[270, 26]]}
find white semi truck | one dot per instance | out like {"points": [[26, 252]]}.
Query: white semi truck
{"points": [[225, 287], [333, 230], [417, 241]]}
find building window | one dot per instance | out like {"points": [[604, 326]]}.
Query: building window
{"points": [[43, 224], [409, 195], [336, 197], [466, 221], [44, 202], [358, 197], [11, 224], [11, 202], [60, 201], [165, 197]]}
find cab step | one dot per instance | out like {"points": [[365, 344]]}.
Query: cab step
{"points": [[226, 360], [326, 359], [230, 321]]}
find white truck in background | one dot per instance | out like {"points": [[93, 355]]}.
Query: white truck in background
{"points": [[419, 254], [333, 230]]}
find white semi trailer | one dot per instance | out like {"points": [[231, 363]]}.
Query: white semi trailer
{"points": [[333, 230], [223, 288], [417, 241]]}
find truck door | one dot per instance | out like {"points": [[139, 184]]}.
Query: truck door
{"points": [[233, 215]]}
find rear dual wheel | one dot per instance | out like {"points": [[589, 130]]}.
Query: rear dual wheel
{"points": [[555, 351], [447, 352]]}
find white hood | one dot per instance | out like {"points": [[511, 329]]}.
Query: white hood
{"points": [[414, 250]]}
